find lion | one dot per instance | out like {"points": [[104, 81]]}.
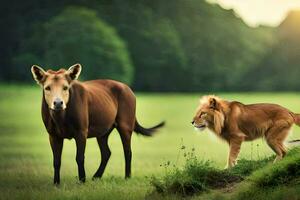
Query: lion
{"points": [[236, 122]]}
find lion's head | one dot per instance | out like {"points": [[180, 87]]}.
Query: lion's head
{"points": [[209, 114]]}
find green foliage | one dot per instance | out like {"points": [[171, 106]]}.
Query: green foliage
{"points": [[281, 173], [155, 45], [20, 70], [279, 68], [160, 58], [196, 176], [276, 181], [78, 35], [246, 167], [274, 193]]}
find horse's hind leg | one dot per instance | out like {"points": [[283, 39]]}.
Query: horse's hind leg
{"points": [[105, 154], [125, 134], [125, 125]]}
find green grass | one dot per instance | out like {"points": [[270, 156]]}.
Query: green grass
{"points": [[195, 177], [26, 159], [198, 176], [277, 181], [256, 177]]}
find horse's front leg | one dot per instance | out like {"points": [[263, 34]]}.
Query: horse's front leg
{"points": [[80, 144], [56, 146]]}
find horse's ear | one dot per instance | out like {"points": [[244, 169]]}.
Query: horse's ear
{"points": [[74, 71], [39, 75], [213, 103]]}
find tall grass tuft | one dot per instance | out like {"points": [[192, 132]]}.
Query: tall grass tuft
{"points": [[198, 176]]}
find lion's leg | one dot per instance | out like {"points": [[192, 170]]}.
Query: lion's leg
{"points": [[234, 150], [276, 148], [275, 139], [283, 150]]}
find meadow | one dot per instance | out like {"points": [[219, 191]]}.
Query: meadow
{"points": [[26, 159]]}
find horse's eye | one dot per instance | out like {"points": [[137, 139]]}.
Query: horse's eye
{"points": [[47, 88], [65, 88]]}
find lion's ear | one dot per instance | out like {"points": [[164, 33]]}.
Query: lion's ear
{"points": [[213, 103]]}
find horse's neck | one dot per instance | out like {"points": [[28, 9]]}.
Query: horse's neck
{"points": [[58, 118]]}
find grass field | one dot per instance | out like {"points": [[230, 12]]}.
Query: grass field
{"points": [[26, 158]]}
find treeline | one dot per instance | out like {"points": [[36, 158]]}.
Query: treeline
{"points": [[153, 45]]}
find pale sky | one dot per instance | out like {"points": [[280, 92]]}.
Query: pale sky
{"points": [[260, 12]]}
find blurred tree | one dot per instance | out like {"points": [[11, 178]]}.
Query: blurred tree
{"points": [[78, 35], [21, 66], [220, 48], [153, 42], [158, 56], [279, 69], [179, 45], [19, 20]]}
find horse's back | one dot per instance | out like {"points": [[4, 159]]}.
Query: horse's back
{"points": [[109, 101]]}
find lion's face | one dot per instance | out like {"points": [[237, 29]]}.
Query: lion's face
{"points": [[209, 114], [203, 118]]}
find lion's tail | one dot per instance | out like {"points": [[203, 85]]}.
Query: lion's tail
{"points": [[296, 118], [294, 141]]}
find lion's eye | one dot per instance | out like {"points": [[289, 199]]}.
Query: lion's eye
{"points": [[65, 88], [47, 88], [203, 114]]}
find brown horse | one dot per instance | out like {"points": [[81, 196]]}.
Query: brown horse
{"points": [[81, 110]]}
